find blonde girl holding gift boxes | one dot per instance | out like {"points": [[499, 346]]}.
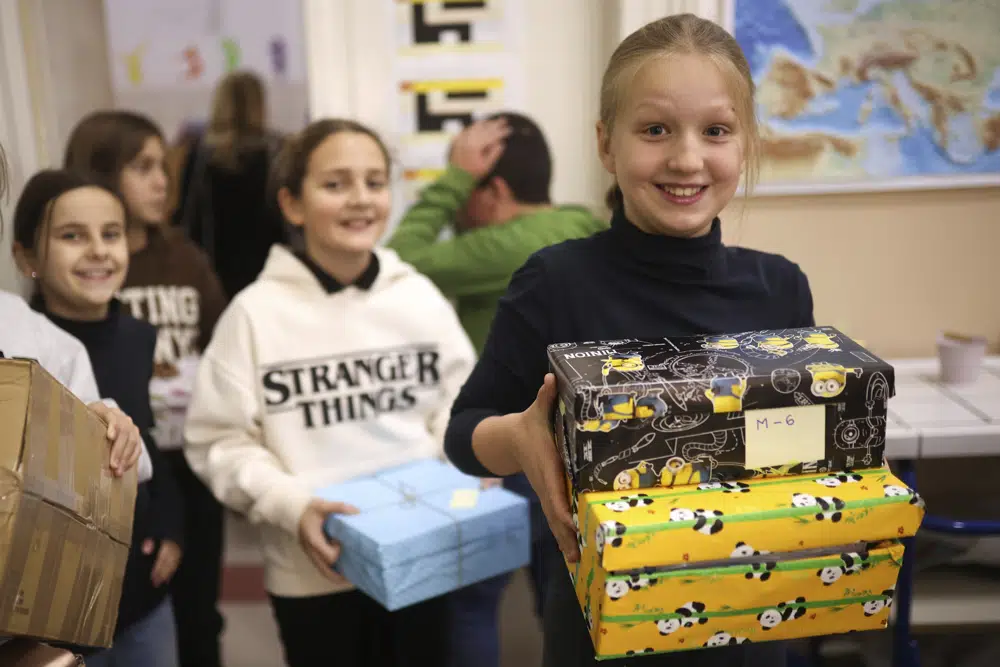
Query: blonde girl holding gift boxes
{"points": [[677, 130], [338, 362]]}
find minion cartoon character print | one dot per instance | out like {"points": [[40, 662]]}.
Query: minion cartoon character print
{"points": [[720, 343], [612, 410], [616, 408], [622, 363], [678, 471], [819, 340], [726, 393], [650, 407], [767, 345], [829, 379], [642, 476], [777, 346]]}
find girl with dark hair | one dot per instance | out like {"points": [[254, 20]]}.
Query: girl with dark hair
{"points": [[69, 234], [171, 285], [26, 334]]}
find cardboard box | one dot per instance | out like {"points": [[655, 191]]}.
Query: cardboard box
{"points": [[426, 529], [65, 521], [637, 414], [700, 566]]}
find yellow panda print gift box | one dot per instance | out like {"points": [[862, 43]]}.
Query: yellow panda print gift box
{"points": [[721, 563]]}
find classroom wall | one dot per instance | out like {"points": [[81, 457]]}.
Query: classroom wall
{"points": [[891, 268], [67, 62]]}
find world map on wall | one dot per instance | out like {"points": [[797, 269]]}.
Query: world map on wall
{"points": [[872, 91]]}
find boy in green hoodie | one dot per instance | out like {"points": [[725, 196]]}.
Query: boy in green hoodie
{"points": [[494, 196]]}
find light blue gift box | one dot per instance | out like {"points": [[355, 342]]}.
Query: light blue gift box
{"points": [[425, 529]]}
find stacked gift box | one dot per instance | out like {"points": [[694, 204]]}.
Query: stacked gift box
{"points": [[425, 529], [730, 488]]}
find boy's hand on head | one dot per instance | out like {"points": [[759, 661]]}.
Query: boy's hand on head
{"points": [[126, 443], [321, 550], [477, 148], [535, 449]]}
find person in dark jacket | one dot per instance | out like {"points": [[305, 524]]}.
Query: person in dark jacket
{"points": [[225, 203], [69, 233], [677, 130]]}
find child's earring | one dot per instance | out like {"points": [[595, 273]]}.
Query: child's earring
{"points": [[33, 275]]}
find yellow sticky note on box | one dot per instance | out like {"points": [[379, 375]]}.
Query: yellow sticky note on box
{"points": [[778, 436], [464, 499]]}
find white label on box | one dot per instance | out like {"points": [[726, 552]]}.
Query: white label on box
{"points": [[780, 436], [464, 499]]}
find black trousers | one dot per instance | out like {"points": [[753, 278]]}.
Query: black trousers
{"points": [[195, 586], [567, 642], [352, 630]]}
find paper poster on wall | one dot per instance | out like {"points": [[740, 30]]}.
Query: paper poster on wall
{"points": [[427, 27], [166, 43], [432, 112], [166, 56], [454, 62]]}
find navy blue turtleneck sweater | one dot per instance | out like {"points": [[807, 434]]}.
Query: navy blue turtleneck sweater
{"points": [[121, 351], [619, 283]]}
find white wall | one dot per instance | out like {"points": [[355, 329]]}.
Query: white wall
{"points": [[53, 71], [18, 134], [565, 46]]}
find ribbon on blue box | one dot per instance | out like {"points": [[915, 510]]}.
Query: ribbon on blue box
{"points": [[415, 537]]}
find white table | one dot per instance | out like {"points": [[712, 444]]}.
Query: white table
{"points": [[931, 420]]}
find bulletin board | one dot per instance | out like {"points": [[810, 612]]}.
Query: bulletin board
{"points": [[166, 56]]}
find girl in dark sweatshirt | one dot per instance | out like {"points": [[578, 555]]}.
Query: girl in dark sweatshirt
{"points": [[677, 130], [71, 233], [171, 285]]}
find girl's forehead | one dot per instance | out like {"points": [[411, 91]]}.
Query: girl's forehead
{"points": [[681, 82], [151, 145], [85, 202], [347, 151]]}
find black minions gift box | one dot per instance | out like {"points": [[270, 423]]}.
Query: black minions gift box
{"points": [[674, 411], [694, 567]]}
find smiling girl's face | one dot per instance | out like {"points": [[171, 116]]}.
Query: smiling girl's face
{"points": [[676, 148], [82, 254], [345, 201]]}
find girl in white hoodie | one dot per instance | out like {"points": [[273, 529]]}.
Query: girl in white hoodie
{"points": [[338, 362]]}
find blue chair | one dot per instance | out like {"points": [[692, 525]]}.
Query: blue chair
{"points": [[905, 652]]}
